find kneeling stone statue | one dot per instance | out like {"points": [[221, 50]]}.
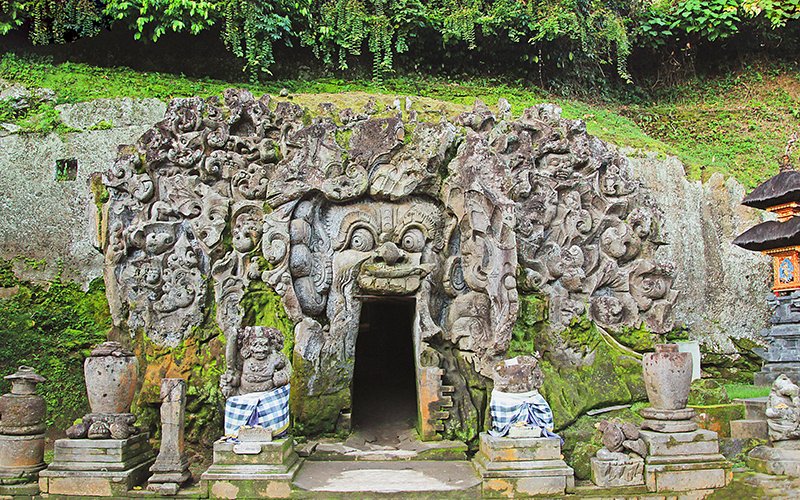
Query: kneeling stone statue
{"points": [[256, 384]]}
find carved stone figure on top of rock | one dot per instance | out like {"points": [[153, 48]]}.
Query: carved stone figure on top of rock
{"points": [[256, 363], [256, 383], [783, 410], [620, 461]]}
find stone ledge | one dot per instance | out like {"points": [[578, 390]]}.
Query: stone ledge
{"points": [[93, 483]]}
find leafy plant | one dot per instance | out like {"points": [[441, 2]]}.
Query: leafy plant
{"points": [[153, 18]]}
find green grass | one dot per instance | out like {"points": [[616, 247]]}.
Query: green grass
{"points": [[736, 124], [744, 391]]}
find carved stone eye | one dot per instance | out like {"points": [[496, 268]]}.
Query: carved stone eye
{"points": [[362, 240], [413, 240]]}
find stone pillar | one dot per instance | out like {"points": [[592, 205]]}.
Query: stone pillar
{"points": [[21, 434], [105, 455], [680, 457], [171, 468]]}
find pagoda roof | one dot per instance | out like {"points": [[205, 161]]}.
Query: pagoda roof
{"points": [[771, 235], [777, 190]]}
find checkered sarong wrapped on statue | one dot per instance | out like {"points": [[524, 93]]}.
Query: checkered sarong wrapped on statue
{"points": [[520, 408], [268, 409]]}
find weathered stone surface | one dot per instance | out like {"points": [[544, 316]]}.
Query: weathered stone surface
{"points": [[111, 113], [700, 222], [628, 471], [22, 412], [777, 461], [749, 429], [51, 220], [106, 467], [357, 210], [171, 468], [667, 377], [699, 442], [783, 410]]}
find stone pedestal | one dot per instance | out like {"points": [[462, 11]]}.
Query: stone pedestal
{"points": [[252, 469], [519, 467], [21, 434], [97, 467], [614, 473], [780, 459], [171, 468], [684, 461]]}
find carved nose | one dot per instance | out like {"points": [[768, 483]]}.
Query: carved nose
{"points": [[389, 253]]}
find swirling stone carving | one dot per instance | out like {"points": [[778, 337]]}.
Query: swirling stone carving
{"points": [[460, 216]]}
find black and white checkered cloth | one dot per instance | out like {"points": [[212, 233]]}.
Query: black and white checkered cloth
{"points": [[268, 409], [529, 408]]}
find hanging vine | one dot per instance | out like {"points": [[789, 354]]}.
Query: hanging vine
{"points": [[56, 21]]}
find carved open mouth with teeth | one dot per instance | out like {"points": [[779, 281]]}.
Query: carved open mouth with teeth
{"points": [[392, 271]]}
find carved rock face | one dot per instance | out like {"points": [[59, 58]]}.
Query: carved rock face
{"points": [[519, 374], [461, 217]]}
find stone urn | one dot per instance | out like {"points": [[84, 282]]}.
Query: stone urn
{"points": [[111, 373], [22, 428], [667, 377]]}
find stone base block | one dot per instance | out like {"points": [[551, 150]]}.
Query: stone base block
{"points": [[770, 371], [520, 467], [21, 490], [96, 454], [251, 469], [699, 442], [505, 449], [98, 483], [249, 481], [97, 467], [686, 473], [277, 452], [777, 461], [749, 429], [613, 473]]}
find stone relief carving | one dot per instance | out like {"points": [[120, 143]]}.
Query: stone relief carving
{"points": [[783, 415], [461, 217], [255, 362]]}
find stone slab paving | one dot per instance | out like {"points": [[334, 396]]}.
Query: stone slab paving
{"points": [[412, 477]]}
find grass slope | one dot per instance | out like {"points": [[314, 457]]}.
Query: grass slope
{"points": [[736, 124]]}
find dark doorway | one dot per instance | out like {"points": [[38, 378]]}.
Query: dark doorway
{"points": [[384, 382]]}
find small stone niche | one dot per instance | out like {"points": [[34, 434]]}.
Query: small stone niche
{"points": [[66, 169]]}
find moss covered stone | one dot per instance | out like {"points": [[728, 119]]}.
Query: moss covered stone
{"points": [[582, 369], [52, 327]]}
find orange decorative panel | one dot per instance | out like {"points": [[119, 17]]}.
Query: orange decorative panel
{"points": [[785, 268]]}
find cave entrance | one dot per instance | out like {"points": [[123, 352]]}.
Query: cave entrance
{"points": [[384, 381]]}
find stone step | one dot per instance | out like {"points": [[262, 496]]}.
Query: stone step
{"points": [[754, 408], [746, 429], [432, 479]]}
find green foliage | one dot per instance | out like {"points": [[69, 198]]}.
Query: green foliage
{"points": [[57, 21], [153, 18], [53, 327], [252, 27]]}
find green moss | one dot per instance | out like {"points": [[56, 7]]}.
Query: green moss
{"points": [[738, 368], [582, 370], [262, 306], [738, 489], [708, 392], [639, 339], [53, 327], [718, 417], [318, 413]]}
